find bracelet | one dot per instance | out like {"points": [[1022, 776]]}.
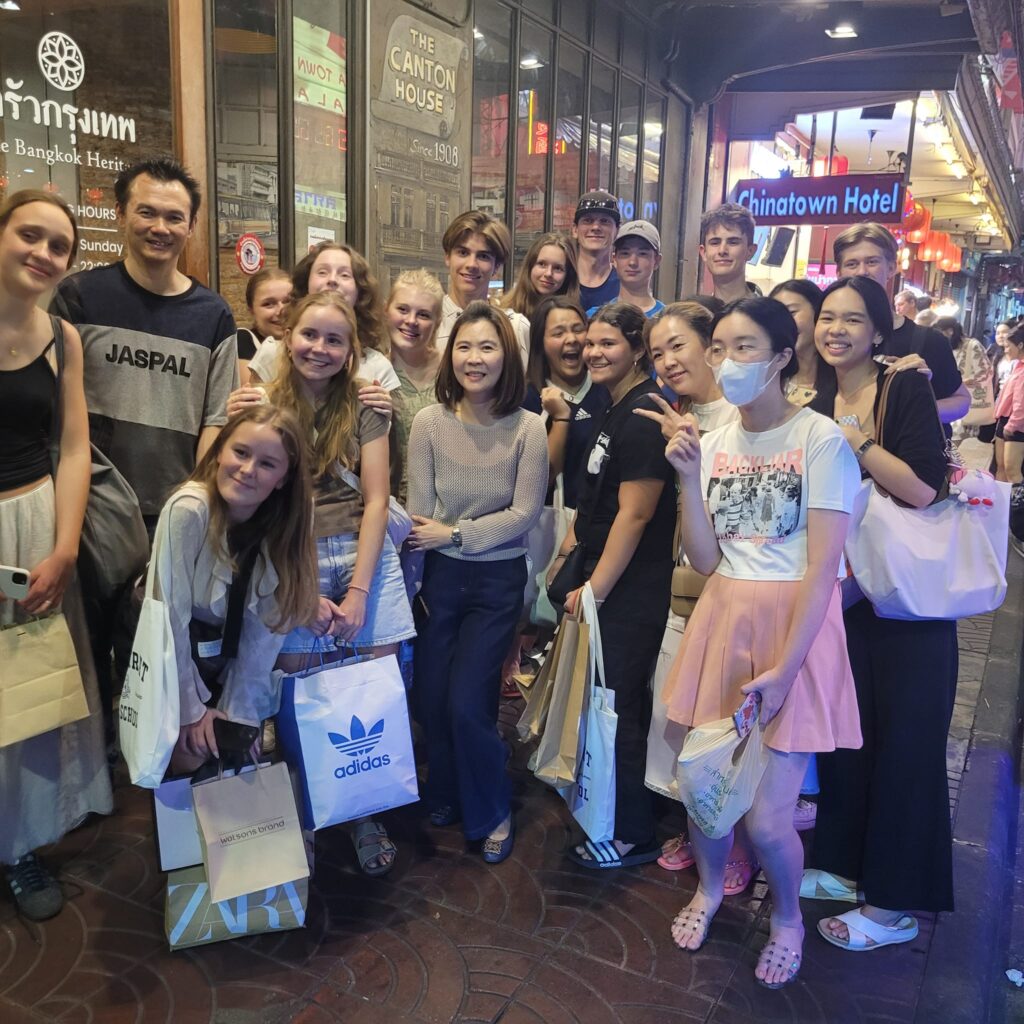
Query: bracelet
{"points": [[362, 590], [560, 419]]}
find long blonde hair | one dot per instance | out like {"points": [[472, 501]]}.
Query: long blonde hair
{"points": [[333, 424], [282, 525]]}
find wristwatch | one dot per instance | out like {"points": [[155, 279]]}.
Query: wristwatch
{"points": [[457, 537], [863, 448]]}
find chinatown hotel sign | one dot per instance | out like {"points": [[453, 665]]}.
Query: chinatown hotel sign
{"points": [[843, 199]]}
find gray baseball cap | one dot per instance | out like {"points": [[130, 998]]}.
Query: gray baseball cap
{"points": [[641, 229]]}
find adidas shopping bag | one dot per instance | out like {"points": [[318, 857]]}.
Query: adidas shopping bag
{"points": [[344, 729]]}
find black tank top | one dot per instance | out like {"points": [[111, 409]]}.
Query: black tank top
{"points": [[27, 398]]}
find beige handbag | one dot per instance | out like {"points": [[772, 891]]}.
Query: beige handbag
{"points": [[687, 583], [40, 685]]}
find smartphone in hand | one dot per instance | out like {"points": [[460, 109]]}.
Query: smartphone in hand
{"points": [[746, 714], [13, 582]]}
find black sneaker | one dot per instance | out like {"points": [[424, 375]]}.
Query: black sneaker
{"points": [[36, 892]]}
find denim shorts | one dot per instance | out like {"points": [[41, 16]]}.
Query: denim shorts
{"points": [[388, 615]]}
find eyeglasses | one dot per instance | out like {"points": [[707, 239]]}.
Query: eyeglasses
{"points": [[716, 353]]}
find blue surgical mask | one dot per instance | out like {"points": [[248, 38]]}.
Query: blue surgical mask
{"points": [[743, 383]]}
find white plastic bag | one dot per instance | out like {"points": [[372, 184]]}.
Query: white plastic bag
{"points": [[719, 774], [591, 798], [345, 730], [149, 712], [665, 737], [542, 544]]}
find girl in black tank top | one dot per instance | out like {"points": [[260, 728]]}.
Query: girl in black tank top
{"points": [[49, 782]]}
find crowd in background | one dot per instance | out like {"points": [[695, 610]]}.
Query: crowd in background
{"points": [[727, 433]]}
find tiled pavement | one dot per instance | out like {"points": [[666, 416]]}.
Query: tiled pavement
{"points": [[443, 937]]}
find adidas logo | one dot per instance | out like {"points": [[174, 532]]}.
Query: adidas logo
{"points": [[361, 742], [582, 414]]}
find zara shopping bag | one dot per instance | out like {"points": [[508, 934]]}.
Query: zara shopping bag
{"points": [[177, 831], [250, 832], [149, 712], [591, 796], [40, 685], [192, 918], [719, 774], [344, 729]]}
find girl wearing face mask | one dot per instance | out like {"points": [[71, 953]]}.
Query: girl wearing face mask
{"points": [[548, 269], [363, 602], [770, 617], [625, 519], [266, 295], [244, 515], [803, 299], [51, 782], [477, 477], [412, 315], [883, 814]]}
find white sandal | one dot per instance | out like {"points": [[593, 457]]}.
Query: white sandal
{"points": [[860, 928], [823, 885]]}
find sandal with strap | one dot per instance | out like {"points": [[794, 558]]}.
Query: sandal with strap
{"points": [[677, 854], [371, 841], [860, 928], [697, 921], [823, 885], [774, 954], [747, 876]]}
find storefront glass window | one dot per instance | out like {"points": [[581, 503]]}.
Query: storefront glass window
{"points": [[626, 161], [606, 30], [533, 136], [545, 8], [574, 17], [634, 47], [602, 117], [92, 97], [245, 100], [654, 124], [491, 59], [568, 147], [320, 72]]}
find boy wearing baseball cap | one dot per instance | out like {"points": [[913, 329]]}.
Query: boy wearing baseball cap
{"points": [[636, 255], [594, 226]]}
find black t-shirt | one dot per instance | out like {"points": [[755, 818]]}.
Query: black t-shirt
{"points": [[634, 450], [583, 417], [911, 430], [602, 293], [933, 348], [246, 343]]}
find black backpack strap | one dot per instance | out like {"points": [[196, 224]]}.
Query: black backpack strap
{"points": [[237, 594], [58, 413]]}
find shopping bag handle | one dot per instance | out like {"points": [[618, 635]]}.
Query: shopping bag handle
{"points": [[588, 614]]}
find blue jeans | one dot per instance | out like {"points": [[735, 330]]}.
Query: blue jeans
{"points": [[466, 622]]}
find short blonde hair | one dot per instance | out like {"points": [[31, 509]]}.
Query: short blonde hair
{"points": [[867, 232]]}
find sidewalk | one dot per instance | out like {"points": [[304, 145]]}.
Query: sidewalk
{"points": [[535, 940]]}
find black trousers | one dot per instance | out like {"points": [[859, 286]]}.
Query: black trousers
{"points": [[461, 643], [632, 624], [883, 812]]}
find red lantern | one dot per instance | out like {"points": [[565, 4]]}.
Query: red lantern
{"points": [[915, 215], [926, 252], [919, 231]]}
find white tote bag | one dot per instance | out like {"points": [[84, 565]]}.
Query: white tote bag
{"points": [[592, 797], [946, 561], [149, 712], [345, 730], [665, 737], [542, 544]]}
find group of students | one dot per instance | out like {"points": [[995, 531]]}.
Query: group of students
{"points": [[749, 420]]}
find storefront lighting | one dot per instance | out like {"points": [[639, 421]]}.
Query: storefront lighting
{"points": [[477, 34], [652, 128], [935, 132], [948, 154], [531, 63], [975, 197], [844, 30], [958, 169], [947, 308], [9, 5]]}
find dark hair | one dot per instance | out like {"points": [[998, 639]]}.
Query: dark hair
{"points": [[36, 195], [537, 368], [923, 302], [261, 277], [950, 323], [732, 215], [629, 321], [510, 390], [1016, 335], [774, 319], [160, 168], [805, 289], [712, 303], [875, 300]]}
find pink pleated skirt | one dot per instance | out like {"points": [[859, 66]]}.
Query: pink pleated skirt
{"points": [[735, 633]]}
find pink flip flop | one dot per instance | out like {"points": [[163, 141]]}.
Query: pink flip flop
{"points": [[677, 854], [751, 868]]}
